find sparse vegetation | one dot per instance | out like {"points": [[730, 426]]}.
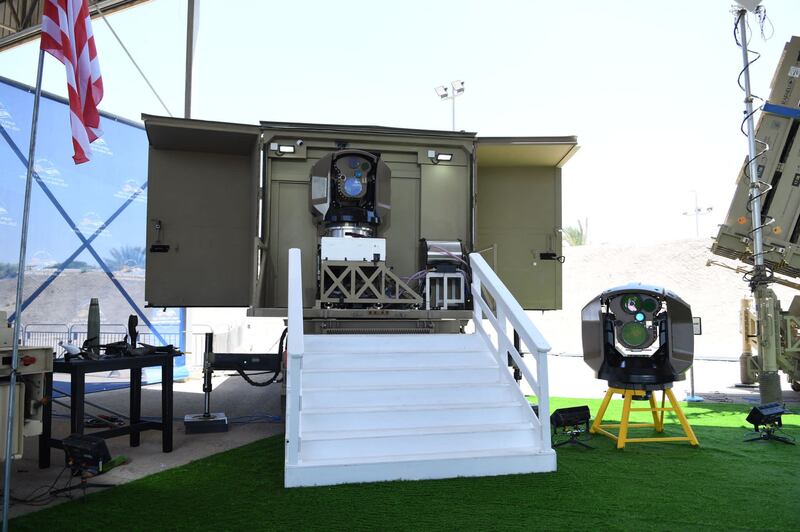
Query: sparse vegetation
{"points": [[74, 265], [8, 270], [125, 258], [577, 236]]}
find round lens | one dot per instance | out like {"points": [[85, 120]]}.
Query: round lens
{"points": [[649, 305], [631, 304], [353, 187], [639, 316], [634, 334], [354, 163]]}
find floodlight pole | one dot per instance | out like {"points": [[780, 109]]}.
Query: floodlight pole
{"points": [[697, 213], [453, 97], [766, 301], [23, 248]]}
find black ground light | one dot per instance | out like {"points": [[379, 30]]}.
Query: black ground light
{"points": [[766, 420], [572, 421], [86, 457]]}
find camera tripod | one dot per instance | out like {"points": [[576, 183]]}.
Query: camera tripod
{"points": [[767, 432], [573, 433]]}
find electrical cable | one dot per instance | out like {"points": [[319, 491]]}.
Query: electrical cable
{"points": [[760, 188], [40, 499], [276, 374]]}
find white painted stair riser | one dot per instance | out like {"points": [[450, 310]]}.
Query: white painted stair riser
{"points": [[386, 446], [411, 376], [406, 395], [410, 417], [440, 360], [398, 343]]}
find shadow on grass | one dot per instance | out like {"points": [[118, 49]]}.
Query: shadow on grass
{"points": [[725, 484]]}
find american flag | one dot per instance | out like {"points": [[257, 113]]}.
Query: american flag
{"points": [[67, 36]]}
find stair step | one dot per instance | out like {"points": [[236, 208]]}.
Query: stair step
{"points": [[397, 376], [398, 343], [395, 359], [486, 462], [429, 394], [392, 432], [358, 418], [389, 442], [483, 453]]}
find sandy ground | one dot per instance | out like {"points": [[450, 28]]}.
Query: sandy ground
{"points": [[714, 293]]}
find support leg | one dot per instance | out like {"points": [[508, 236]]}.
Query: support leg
{"points": [[135, 404], [623, 423], [76, 408], [47, 422], [598, 418], [166, 405], [682, 418], [654, 410]]}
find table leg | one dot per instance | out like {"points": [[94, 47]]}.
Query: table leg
{"points": [[77, 406], [166, 405], [47, 422], [135, 404]]}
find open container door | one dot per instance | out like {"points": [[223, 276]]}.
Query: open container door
{"points": [[202, 212], [518, 213]]}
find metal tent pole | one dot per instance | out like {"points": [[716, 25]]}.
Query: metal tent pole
{"points": [[23, 246]]}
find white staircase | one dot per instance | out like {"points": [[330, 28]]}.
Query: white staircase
{"points": [[363, 408]]}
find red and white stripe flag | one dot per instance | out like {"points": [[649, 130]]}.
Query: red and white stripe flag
{"points": [[67, 36]]}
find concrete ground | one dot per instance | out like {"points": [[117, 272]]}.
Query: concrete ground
{"points": [[569, 377]]}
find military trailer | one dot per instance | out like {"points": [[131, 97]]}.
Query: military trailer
{"points": [[385, 218]]}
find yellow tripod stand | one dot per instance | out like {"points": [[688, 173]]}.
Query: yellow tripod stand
{"points": [[656, 411]]}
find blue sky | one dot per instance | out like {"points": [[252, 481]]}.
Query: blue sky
{"points": [[649, 88]]}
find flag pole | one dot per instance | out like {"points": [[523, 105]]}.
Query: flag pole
{"points": [[23, 245]]}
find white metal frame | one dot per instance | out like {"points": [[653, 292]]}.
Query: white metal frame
{"points": [[508, 311], [294, 360]]}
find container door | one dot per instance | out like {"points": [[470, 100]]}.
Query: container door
{"points": [[202, 208], [518, 214]]}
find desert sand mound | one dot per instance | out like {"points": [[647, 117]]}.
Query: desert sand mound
{"points": [[714, 293]]}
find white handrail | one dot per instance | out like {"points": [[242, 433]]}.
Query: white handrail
{"points": [[294, 361], [508, 310]]}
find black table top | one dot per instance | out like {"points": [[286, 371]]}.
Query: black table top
{"points": [[109, 364]]}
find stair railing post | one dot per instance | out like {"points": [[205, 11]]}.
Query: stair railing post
{"points": [[294, 362], [543, 397], [477, 310]]}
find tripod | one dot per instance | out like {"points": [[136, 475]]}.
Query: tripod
{"points": [[573, 432], [767, 432], [84, 485]]}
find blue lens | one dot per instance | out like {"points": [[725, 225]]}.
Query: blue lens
{"points": [[639, 316], [353, 186]]}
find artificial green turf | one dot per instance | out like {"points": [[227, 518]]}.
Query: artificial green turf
{"points": [[725, 484]]}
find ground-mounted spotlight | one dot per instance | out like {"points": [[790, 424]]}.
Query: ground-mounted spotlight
{"points": [[767, 420], [87, 456], [572, 421], [639, 338]]}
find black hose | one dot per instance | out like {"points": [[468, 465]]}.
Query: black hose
{"points": [[274, 377]]}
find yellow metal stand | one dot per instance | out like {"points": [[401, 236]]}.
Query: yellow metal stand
{"points": [[656, 411]]}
